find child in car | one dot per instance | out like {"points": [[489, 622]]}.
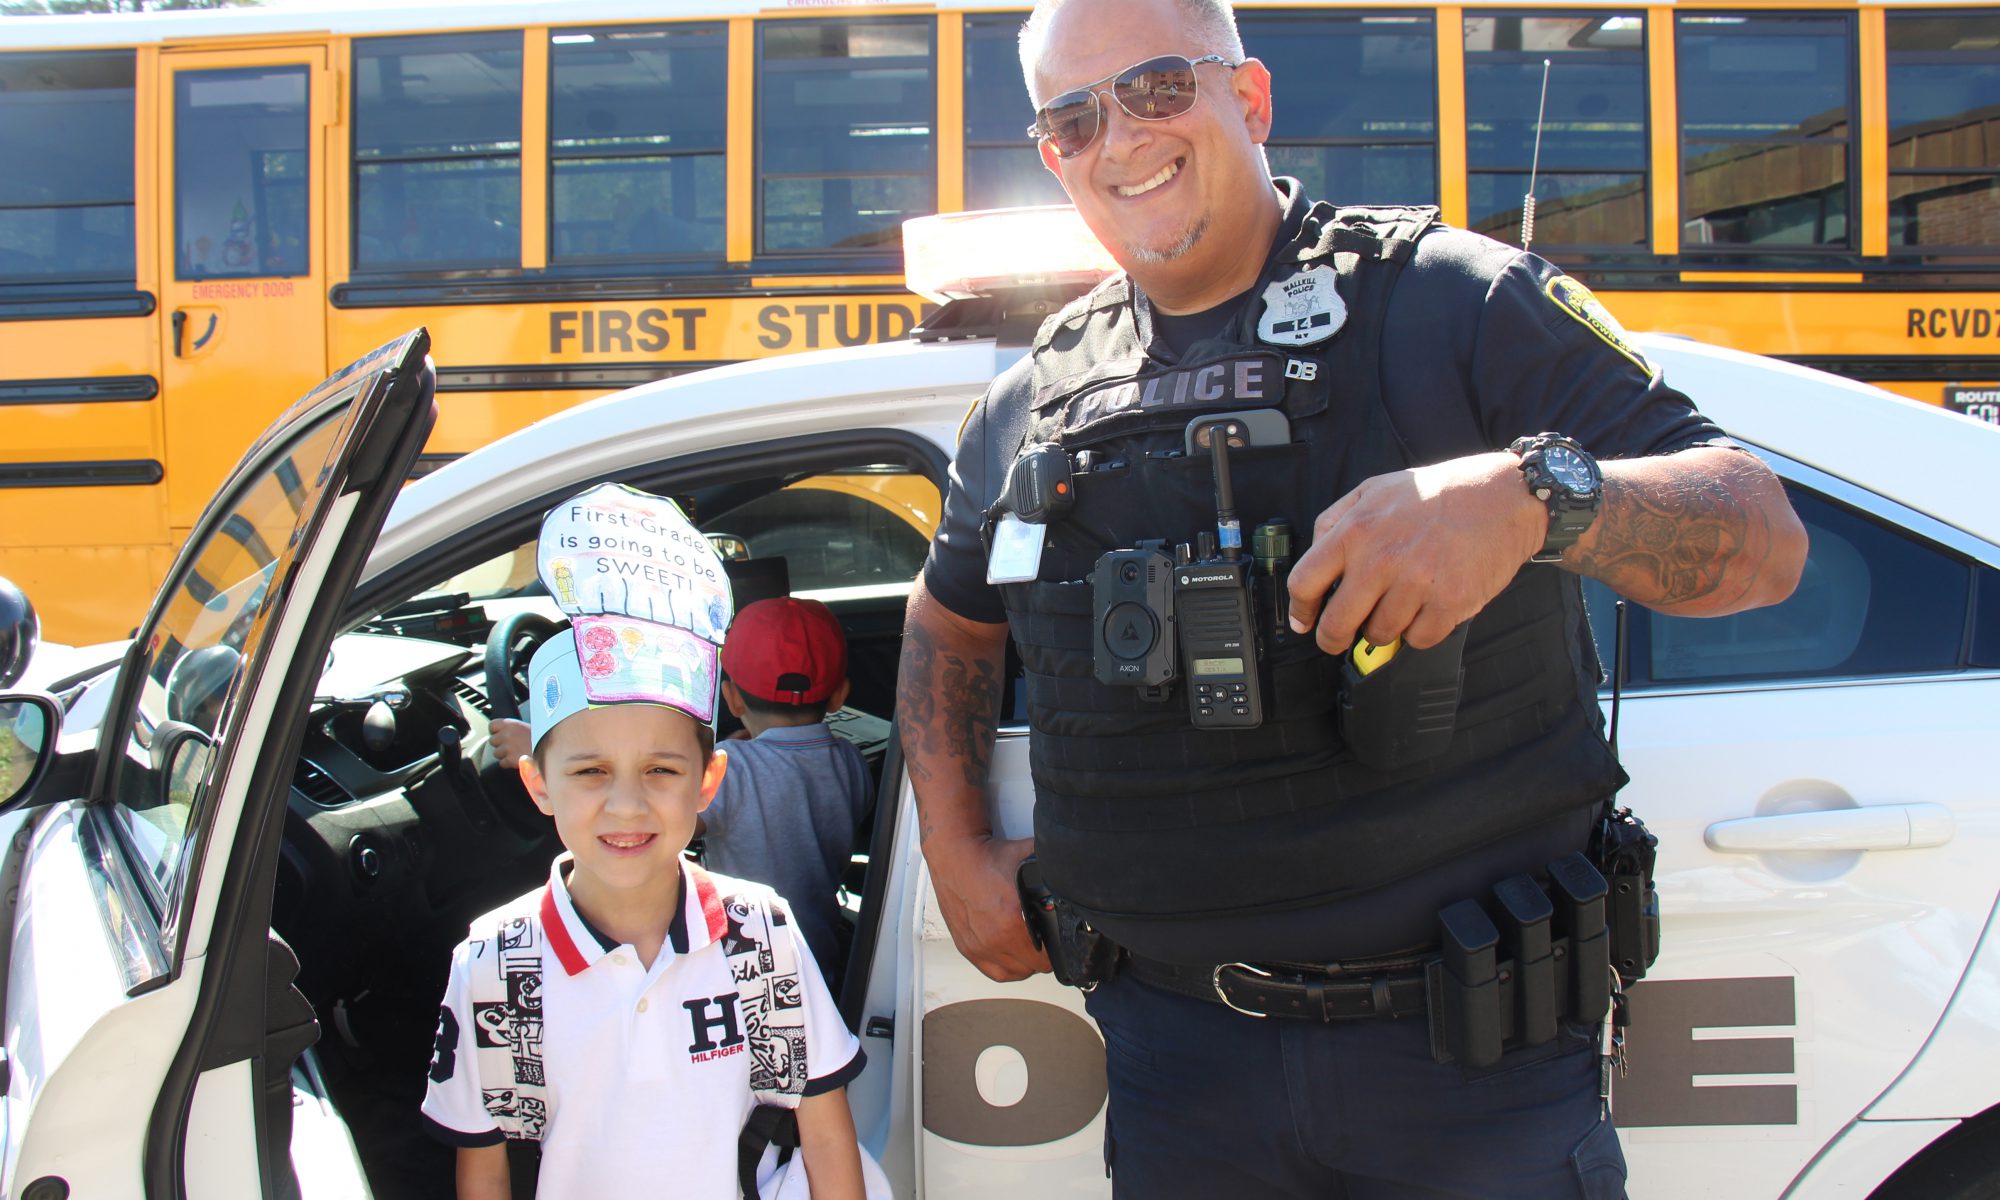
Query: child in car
{"points": [[632, 1014], [796, 793]]}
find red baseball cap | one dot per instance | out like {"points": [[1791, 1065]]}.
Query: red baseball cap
{"points": [[786, 650]]}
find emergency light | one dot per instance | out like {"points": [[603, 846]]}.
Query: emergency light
{"points": [[959, 256]]}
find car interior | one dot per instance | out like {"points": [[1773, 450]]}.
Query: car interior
{"points": [[401, 828]]}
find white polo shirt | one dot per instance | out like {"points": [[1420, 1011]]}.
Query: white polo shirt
{"points": [[647, 1090]]}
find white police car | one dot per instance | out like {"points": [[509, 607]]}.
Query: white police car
{"points": [[292, 744]]}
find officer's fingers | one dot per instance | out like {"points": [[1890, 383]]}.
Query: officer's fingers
{"points": [[1393, 614], [1346, 609], [1431, 625], [1316, 571]]}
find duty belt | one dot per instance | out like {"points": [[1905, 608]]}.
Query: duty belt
{"points": [[1382, 987]]}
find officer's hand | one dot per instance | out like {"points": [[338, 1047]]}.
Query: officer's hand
{"points": [[508, 740], [1416, 553], [976, 892]]}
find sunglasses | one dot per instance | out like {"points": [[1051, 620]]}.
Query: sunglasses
{"points": [[1158, 89]]}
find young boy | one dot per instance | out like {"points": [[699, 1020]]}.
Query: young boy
{"points": [[787, 812], [603, 1014]]}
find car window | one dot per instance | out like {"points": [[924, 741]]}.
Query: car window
{"points": [[1873, 600], [211, 621], [834, 535]]}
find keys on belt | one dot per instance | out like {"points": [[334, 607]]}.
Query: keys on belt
{"points": [[1334, 992]]}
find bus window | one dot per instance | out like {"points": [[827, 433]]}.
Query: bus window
{"points": [[1002, 167], [1765, 103], [66, 199], [846, 112], [1944, 133], [1355, 100], [637, 129], [437, 151], [1591, 189], [240, 186]]}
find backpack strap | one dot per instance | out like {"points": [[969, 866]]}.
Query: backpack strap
{"points": [[764, 961], [505, 987], [769, 993]]}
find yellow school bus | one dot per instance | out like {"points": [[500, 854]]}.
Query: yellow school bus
{"points": [[202, 213]]}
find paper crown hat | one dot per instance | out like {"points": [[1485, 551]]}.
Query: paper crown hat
{"points": [[648, 604]]}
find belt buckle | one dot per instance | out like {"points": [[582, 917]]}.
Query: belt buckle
{"points": [[1215, 981]]}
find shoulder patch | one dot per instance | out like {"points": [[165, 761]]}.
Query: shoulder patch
{"points": [[1576, 300]]}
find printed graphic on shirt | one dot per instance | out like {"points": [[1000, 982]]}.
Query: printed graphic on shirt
{"points": [[515, 1025], [514, 1108], [444, 1050], [774, 1019], [1302, 309], [1576, 300]]}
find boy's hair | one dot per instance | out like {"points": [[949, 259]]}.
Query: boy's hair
{"points": [[799, 713], [704, 735]]}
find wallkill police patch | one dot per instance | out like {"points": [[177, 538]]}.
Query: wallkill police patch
{"points": [[1302, 309], [1576, 300]]}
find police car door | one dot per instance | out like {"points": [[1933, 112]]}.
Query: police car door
{"points": [[1820, 775], [150, 1025]]}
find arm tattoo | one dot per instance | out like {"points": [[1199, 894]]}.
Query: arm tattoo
{"points": [[1687, 539], [916, 708], [947, 707]]}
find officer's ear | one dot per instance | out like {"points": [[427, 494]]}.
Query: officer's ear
{"points": [[1251, 85]]}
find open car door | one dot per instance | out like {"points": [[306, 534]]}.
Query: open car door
{"points": [[151, 1022]]}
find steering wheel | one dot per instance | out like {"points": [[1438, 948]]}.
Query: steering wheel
{"points": [[508, 649]]}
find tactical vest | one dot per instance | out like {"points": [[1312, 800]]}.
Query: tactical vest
{"points": [[1140, 815]]}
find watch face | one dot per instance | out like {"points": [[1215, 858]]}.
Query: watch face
{"points": [[1569, 470]]}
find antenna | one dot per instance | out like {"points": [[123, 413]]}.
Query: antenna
{"points": [[1528, 201]]}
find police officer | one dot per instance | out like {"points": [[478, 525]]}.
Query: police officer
{"points": [[1467, 434]]}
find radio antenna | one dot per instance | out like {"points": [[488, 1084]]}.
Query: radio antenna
{"points": [[1534, 169]]}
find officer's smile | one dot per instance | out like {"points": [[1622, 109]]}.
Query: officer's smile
{"points": [[1165, 174]]}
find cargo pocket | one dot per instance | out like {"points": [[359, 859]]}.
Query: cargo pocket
{"points": [[1599, 1163]]}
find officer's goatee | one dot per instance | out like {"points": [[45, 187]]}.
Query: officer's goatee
{"points": [[1172, 251]]}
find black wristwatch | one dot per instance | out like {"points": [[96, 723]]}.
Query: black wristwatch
{"points": [[1566, 479]]}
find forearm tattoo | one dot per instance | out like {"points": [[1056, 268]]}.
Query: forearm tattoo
{"points": [[947, 708], [1683, 537]]}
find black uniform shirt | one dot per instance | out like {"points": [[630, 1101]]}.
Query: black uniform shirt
{"points": [[1476, 352], [1469, 324]]}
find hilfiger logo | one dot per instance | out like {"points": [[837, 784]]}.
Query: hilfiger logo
{"points": [[714, 1016]]}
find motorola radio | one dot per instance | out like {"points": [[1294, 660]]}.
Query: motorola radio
{"points": [[1212, 609]]}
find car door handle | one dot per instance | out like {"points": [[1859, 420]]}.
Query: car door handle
{"points": [[1873, 827]]}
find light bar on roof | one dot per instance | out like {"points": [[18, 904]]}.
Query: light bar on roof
{"points": [[957, 256]]}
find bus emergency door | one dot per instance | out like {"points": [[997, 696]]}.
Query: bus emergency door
{"points": [[243, 248]]}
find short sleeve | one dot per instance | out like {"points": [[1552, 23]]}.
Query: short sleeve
{"points": [[955, 572], [454, 1107], [1550, 357], [833, 1054]]}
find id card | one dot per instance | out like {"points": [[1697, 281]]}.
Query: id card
{"points": [[1017, 550]]}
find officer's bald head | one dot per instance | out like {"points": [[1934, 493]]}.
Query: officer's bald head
{"points": [[1211, 25]]}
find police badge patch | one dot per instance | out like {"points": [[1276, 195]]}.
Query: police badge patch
{"points": [[1576, 300], [1302, 309]]}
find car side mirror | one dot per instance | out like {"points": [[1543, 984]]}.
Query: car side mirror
{"points": [[29, 725], [181, 754]]}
